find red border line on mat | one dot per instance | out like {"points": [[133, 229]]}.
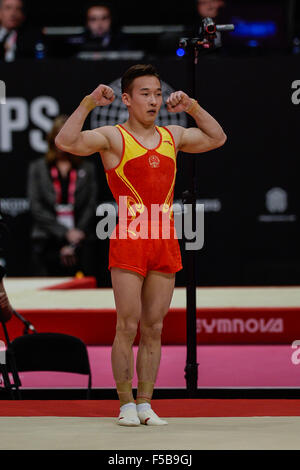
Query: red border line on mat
{"points": [[186, 408]]}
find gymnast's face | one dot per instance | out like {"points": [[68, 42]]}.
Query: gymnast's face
{"points": [[144, 99], [11, 14]]}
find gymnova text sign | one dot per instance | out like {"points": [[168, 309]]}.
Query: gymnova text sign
{"points": [[240, 325]]}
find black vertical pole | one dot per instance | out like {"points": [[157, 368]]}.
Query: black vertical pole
{"points": [[189, 197], [192, 46]]}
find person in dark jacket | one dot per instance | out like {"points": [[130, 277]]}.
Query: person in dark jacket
{"points": [[62, 193], [17, 40], [5, 306], [101, 33]]}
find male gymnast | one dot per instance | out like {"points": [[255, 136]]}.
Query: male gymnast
{"points": [[139, 160]]}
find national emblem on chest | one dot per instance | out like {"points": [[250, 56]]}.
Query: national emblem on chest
{"points": [[153, 161]]}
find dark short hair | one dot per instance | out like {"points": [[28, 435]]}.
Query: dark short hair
{"points": [[95, 4], [139, 70], [21, 1]]}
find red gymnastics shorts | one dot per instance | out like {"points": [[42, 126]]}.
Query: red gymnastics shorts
{"points": [[142, 255]]}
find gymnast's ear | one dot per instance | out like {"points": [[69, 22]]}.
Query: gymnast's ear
{"points": [[126, 98]]}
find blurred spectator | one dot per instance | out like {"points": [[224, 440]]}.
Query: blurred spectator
{"points": [[100, 32], [3, 231], [62, 193], [209, 8], [6, 309], [99, 22], [17, 41]]}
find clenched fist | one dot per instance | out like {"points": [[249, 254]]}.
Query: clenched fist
{"points": [[103, 95], [178, 102]]}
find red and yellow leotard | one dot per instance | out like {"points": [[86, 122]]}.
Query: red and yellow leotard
{"points": [[146, 177]]}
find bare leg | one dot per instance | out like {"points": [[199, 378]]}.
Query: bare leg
{"points": [[127, 287], [157, 294]]}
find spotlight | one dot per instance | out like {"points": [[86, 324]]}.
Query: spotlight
{"points": [[180, 52]]}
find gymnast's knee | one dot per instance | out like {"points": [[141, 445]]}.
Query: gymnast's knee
{"points": [[151, 331], [127, 330]]}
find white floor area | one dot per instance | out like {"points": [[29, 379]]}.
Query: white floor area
{"points": [[24, 293], [65, 433]]}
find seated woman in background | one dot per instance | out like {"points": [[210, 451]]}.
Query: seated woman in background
{"points": [[62, 193], [6, 310]]}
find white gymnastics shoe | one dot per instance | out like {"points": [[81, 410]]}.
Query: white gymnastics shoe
{"points": [[150, 418], [128, 415]]}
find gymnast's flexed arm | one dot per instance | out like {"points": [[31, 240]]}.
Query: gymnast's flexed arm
{"points": [[72, 139], [207, 136]]}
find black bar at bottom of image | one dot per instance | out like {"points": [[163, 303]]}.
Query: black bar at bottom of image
{"points": [[151, 458]]}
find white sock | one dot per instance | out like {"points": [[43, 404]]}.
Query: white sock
{"points": [[128, 405], [143, 407]]}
